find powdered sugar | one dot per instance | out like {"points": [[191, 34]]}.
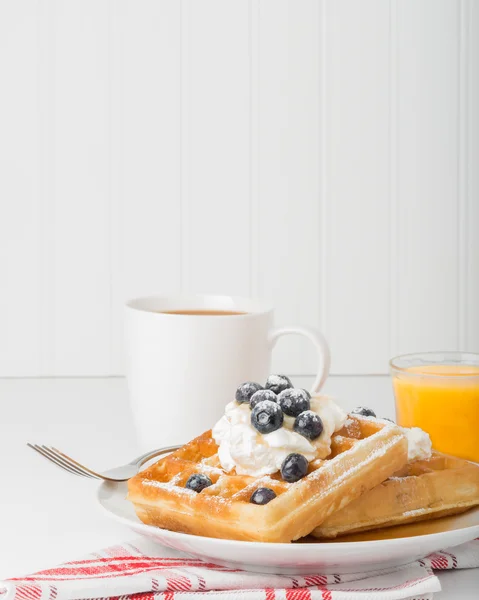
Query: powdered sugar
{"points": [[276, 379], [414, 513]]}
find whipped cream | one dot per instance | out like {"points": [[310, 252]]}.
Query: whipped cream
{"points": [[241, 447], [419, 443]]}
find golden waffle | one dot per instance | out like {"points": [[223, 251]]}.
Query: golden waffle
{"points": [[422, 490], [366, 453]]}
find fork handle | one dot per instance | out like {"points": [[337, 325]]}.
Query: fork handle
{"points": [[141, 460]]}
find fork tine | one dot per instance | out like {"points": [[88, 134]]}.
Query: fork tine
{"points": [[56, 462], [65, 460], [60, 465], [73, 463]]}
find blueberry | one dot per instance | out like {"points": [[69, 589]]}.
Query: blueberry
{"points": [[246, 390], [364, 412], [294, 467], [262, 395], [293, 402], [278, 383], [266, 416], [308, 424], [262, 496], [387, 419], [198, 482]]}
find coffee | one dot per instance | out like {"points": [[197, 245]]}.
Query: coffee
{"points": [[203, 313]]}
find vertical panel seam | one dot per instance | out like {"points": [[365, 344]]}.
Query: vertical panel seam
{"points": [[40, 362], [258, 41], [184, 188], [250, 50], [393, 190], [254, 165], [472, 333], [116, 195], [119, 286], [462, 176], [323, 205], [110, 191], [182, 274], [47, 201]]}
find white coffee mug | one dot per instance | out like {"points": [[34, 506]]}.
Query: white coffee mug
{"points": [[183, 369]]}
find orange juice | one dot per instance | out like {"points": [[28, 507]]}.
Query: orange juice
{"points": [[444, 401]]}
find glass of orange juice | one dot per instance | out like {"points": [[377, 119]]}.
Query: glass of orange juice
{"points": [[439, 392]]}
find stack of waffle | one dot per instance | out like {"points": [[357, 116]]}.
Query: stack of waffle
{"points": [[366, 482]]}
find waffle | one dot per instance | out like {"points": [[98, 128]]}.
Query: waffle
{"points": [[366, 453], [422, 490]]}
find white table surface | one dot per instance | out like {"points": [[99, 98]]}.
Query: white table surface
{"points": [[48, 516]]}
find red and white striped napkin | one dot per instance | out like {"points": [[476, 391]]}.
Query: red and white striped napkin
{"points": [[142, 570]]}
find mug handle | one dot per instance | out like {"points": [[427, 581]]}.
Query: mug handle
{"points": [[315, 336]]}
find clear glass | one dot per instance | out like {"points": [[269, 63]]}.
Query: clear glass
{"points": [[439, 392]]}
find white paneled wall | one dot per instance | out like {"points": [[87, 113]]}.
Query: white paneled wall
{"points": [[356, 191], [428, 205], [321, 154], [145, 199], [286, 137]]}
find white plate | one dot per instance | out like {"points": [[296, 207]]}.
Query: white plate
{"points": [[358, 553]]}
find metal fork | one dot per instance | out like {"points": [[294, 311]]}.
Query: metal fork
{"points": [[122, 473]]}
